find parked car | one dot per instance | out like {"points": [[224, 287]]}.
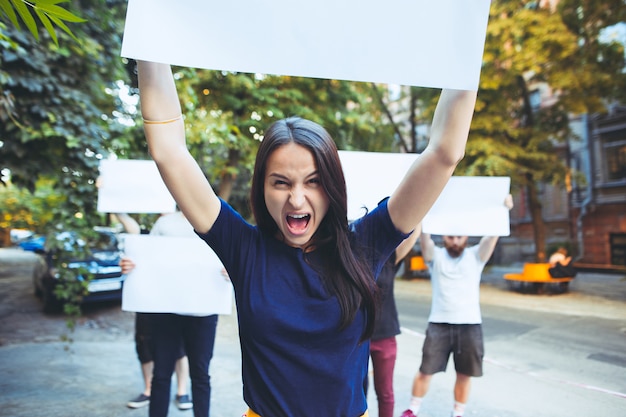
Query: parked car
{"points": [[18, 235], [34, 243], [103, 262]]}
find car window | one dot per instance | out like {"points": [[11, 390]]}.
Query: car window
{"points": [[103, 241]]}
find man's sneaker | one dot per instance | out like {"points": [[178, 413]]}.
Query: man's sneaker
{"points": [[183, 402], [140, 401], [408, 413]]}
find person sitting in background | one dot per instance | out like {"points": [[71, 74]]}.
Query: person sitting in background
{"points": [[561, 264]]}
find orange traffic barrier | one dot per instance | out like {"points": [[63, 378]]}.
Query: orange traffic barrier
{"points": [[418, 264], [415, 267]]}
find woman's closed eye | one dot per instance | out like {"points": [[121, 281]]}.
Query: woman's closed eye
{"points": [[314, 182], [280, 183]]}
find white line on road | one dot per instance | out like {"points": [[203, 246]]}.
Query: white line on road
{"points": [[534, 375]]}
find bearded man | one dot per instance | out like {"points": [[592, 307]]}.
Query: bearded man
{"points": [[455, 322]]}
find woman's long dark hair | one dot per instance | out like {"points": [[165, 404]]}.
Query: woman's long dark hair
{"points": [[345, 276]]}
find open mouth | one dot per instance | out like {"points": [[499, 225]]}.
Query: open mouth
{"points": [[298, 222]]}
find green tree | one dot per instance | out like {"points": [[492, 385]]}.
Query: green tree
{"points": [[20, 208], [534, 48], [412, 109], [59, 111]]}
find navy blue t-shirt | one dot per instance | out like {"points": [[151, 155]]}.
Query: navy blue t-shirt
{"points": [[295, 359]]}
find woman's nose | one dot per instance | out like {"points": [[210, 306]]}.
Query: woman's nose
{"points": [[296, 197]]}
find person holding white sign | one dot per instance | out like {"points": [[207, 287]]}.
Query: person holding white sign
{"points": [[454, 323], [174, 333], [304, 280], [144, 345]]}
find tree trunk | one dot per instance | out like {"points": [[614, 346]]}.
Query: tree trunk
{"points": [[385, 109], [412, 119], [226, 187], [539, 227], [5, 237], [228, 180]]}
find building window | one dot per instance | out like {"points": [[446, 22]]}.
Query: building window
{"points": [[614, 144], [616, 163], [618, 248]]}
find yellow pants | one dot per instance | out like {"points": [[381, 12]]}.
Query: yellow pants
{"points": [[251, 413]]}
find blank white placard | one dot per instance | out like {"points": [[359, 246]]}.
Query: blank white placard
{"points": [[175, 275], [132, 186], [470, 206], [467, 206], [411, 42]]}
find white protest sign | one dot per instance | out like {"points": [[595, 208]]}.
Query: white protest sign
{"points": [[175, 275], [132, 186], [372, 176], [418, 42], [468, 206]]}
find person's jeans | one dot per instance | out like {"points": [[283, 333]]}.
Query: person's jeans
{"points": [[383, 353], [197, 334]]}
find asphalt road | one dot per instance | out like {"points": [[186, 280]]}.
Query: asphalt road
{"points": [[547, 355]]}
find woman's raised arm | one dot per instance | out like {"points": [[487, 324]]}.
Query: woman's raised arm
{"points": [[433, 168], [165, 133]]}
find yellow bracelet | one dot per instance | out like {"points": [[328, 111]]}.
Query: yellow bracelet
{"points": [[162, 122]]}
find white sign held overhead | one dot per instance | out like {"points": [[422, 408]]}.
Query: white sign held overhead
{"points": [[470, 206], [372, 176], [467, 206], [418, 42], [132, 186]]}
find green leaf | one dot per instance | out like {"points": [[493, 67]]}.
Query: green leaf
{"points": [[51, 1], [63, 26], [24, 13], [47, 11], [59, 12], [48, 25], [8, 10]]}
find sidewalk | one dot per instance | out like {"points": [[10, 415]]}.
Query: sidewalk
{"points": [[590, 294]]}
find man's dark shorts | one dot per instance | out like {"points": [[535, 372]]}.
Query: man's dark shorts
{"points": [[144, 323], [464, 341]]}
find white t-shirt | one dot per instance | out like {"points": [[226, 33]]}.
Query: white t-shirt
{"points": [[456, 287], [173, 224]]}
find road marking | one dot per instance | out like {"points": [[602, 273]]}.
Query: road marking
{"points": [[532, 374]]}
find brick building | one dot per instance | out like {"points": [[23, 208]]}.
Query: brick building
{"points": [[590, 217], [599, 206]]}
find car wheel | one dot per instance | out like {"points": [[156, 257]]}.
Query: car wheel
{"points": [[39, 272], [51, 305]]}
